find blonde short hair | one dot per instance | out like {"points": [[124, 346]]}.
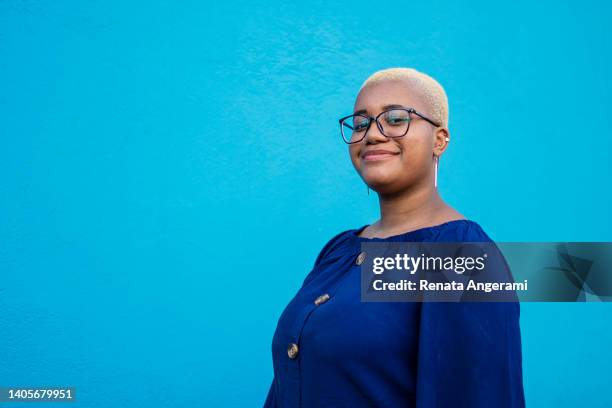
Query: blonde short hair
{"points": [[427, 89]]}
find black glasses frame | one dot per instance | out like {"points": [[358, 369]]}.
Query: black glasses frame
{"points": [[379, 125]]}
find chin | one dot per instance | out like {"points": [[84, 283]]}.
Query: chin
{"points": [[379, 176], [388, 182], [381, 185]]}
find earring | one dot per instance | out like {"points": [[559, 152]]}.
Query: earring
{"points": [[435, 171]]}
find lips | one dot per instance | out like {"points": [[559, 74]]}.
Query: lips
{"points": [[377, 155]]}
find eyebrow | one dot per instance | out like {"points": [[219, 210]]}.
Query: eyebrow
{"points": [[384, 108]]}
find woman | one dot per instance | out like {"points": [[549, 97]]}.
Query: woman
{"points": [[332, 350]]}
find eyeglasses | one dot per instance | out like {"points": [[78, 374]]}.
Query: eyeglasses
{"points": [[396, 124]]}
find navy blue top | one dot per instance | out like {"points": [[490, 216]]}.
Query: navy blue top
{"points": [[332, 350]]}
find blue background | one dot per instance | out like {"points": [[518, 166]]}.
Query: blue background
{"points": [[170, 172]]}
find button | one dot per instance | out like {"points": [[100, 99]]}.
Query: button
{"points": [[360, 258], [292, 351], [321, 299]]}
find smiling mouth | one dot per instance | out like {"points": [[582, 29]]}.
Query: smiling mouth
{"points": [[378, 156]]}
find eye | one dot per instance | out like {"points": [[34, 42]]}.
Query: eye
{"points": [[360, 124], [397, 118]]}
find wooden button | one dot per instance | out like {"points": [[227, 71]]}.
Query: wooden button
{"points": [[292, 351], [321, 299], [360, 258]]}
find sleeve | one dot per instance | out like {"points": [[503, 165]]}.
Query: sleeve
{"points": [[470, 355], [271, 401]]}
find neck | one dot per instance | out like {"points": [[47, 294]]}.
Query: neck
{"points": [[409, 209]]}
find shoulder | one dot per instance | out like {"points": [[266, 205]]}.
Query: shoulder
{"points": [[334, 246], [475, 232], [334, 243], [463, 230]]}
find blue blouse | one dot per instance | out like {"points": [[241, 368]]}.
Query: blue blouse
{"points": [[332, 350]]}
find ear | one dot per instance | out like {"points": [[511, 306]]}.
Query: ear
{"points": [[440, 140]]}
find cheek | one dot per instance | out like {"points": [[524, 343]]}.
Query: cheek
{"points": [[353, 151], [415, 152], [415, 159]]}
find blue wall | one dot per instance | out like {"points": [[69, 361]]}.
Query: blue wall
{"points": [[169, 173]]}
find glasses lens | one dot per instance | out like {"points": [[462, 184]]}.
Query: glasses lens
{"points": [[354, 128], [395, 122]]}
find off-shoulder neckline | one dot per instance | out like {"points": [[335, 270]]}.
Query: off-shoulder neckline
{"points": [[355, 232]]}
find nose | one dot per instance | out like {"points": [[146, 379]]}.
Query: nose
{"points": [[374, 135]]}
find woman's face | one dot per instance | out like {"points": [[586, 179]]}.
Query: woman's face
{"points": [[389, 165]]}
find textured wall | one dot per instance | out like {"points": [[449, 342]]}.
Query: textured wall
{"points": [[170, 171]]}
